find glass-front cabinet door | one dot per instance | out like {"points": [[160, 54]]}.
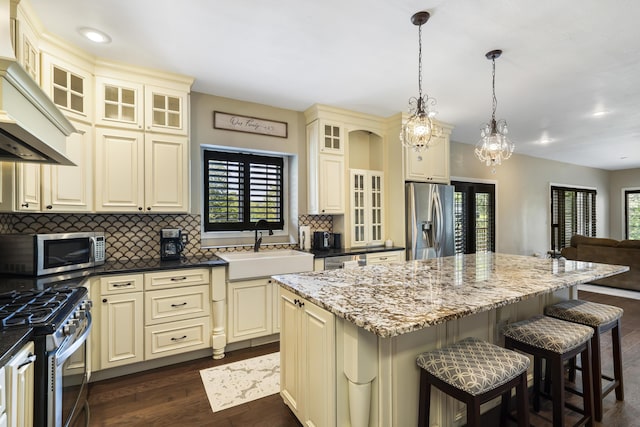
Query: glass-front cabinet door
{"points": [[165, 110], [367, 219], [119, 103]]}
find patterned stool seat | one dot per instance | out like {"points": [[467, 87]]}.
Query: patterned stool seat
{"points": [[549, 333], [473, 365], [584, 312]]}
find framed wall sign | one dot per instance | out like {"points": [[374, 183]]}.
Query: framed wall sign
{"points": [[248, 124]]}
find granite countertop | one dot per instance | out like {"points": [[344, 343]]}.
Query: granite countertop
{"points": [[320, 253], [11, 341], [395, 299]]}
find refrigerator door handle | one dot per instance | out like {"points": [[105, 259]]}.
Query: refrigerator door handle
{"points": [[439, 226], [414, 220]]}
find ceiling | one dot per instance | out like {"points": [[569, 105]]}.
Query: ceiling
{"points": [[563, 61]]}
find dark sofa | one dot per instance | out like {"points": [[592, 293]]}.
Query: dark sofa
{"points": [[608, 251]]}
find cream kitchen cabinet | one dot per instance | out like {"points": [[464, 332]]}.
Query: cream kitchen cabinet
{"points": [[308, 360], [119, 103], [135, 105], [326, 170], [250, 309], [152, 315], [68, 83], [70, 188], [20, 187], [137, 172], [177, 312], [121, 320], [385, 257], [367, 207], [431, 165], [19, 377], [26, 49], [3, 399]]}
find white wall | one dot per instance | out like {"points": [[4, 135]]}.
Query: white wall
{"points": [[523, 196], [629, 178]]}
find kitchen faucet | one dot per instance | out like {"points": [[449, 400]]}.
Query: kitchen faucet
{"points": [[258, 240]]}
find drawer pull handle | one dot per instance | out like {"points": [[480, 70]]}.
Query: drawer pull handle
{"points": [[179, 338], [29, 360], [383, 258], [122, 285], [179, 305], [177, 279]]}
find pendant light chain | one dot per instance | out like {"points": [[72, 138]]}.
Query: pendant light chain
{"points": [[495, 100], [420, 61]]}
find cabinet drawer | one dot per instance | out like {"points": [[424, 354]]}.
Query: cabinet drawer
{"points": [[384, 257], [176, 278], [177, 337], [121, 284], [176, 304]]}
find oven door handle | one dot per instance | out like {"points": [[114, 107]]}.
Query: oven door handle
{"points": [[67, 352]]}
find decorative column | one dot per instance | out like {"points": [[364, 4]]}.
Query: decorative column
{"points": [[218, 297]]}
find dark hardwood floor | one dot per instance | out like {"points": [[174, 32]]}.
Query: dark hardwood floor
{"points": [[175, 396]]}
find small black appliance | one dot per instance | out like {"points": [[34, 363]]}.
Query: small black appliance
{"points": [[171, 244], [321, 240]]}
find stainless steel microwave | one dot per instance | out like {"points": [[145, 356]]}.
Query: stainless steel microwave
{"points": [[42, 254]]}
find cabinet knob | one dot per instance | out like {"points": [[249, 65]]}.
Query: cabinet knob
{"points": [[104, 300], [49, 207], [148, 208], [139, 208], [25, 205], [300, 304]]}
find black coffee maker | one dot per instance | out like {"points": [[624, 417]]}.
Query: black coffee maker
{"points": [[171, 244]]}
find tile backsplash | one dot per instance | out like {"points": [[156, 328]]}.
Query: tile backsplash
{"points": [[134, 236]]}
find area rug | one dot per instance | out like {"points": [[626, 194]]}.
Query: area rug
{"points": [[241, 382]]}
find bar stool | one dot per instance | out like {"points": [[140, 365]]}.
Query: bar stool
{"points": [[556, 341], [474, 372], [601, 318]]}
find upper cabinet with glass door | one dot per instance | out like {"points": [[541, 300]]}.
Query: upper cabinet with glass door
{"points": [[119, 103], [69, 86], [165, 110], [26, 48]]}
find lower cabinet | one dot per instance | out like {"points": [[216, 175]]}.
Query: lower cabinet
{"points": [[250, 309], [152, 315], [121, 320], [307, 360], [18, 388]]}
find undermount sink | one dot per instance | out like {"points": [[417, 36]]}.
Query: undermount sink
{"points": [[245, 265]]}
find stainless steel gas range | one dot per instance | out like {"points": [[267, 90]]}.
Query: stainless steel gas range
{"points": [[59, 313]]}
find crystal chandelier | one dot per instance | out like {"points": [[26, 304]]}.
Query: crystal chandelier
{"points": [[494, 145], [418, 130]]}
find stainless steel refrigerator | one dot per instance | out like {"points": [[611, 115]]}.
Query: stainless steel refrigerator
{"points": [[429, 222]]}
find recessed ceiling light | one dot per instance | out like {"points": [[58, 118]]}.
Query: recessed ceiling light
{"points": [[600, 113], [94, 35]]}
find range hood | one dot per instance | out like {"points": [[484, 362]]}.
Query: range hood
{"points": [[32, 128]]}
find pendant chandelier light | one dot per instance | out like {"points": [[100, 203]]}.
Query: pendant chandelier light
{"points": [[419, 129], [494, 145]]}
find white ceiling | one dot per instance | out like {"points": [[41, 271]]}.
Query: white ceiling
{"points": [[562, 60]]}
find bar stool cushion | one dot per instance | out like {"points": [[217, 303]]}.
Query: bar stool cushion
{"points": [[584, 312], [549, 333], [473, 365]]}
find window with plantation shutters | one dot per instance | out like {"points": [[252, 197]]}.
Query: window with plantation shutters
{"points": [[632, 214], [241, 189], [573, 211], [474, 217]]}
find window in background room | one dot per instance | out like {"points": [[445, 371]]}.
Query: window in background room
{"points": [[240, 189], [573, 211], [632, 214], [474, 217]]}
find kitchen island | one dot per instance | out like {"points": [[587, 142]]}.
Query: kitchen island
{"points": [[350, 338]]}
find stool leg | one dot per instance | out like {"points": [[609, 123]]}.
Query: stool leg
{"points": [[617, 360], [473, 413], [587, 383], [523, 401], [572, 369], [537, 375], [504, 408], [557, 392], [596, 369], [424, 400]]}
